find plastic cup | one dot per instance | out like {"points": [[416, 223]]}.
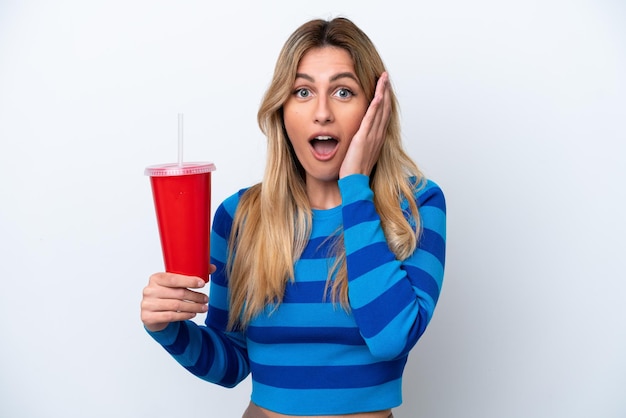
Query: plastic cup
{"points": [[182, 200]]}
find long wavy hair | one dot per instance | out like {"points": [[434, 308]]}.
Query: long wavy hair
{"points": [[273, 221]]}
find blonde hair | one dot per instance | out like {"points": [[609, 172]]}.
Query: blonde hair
{"points": [[272, 224]]}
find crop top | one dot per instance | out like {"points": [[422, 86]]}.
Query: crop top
{"points": [[309, 356]]}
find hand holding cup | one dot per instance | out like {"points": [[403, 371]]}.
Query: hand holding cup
{"points": [[169, 297]]}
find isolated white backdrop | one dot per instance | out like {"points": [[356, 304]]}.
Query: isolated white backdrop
{"points": [[516, 108]]}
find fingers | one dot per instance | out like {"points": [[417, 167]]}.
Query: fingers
{"points": [[168, 297], [386, 110], [173, 293], [172, 280], [381, 107], [158, 307], [158, 321]]}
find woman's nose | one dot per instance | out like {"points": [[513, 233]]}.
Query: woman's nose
{"points": [[323, 111]]}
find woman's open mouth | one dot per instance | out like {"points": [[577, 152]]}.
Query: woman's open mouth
{"points": [[324, 147]]}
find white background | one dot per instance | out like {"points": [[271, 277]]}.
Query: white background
{"points": [[516, 108]]}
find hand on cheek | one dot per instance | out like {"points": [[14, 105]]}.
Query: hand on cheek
{"points": [[367, 142]]}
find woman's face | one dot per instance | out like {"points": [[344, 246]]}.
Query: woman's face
{"points": [[324, 112]]}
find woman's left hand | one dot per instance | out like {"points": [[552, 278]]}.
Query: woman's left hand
{"points": [[368, 141]]}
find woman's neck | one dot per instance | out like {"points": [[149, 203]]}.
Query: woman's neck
{"points": [[323, 195]]}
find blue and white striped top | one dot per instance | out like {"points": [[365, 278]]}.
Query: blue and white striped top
{"points": [[309, 356]]}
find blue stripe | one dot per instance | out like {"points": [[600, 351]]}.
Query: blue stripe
{"points": [[182, 340], [315, 354], [305, 315], [429, 263], [368, 258], [363, 234], [313, 269], [418, 328], [204, 362], [376, 315], [359, 212], [232, 375], [320, 247], [306, 292], [219, 296], [328, 377], [372, 284], [298, 335], [423, 281], [219, 277], [434, 244], [216, 318], [432, 196], [434, 218], [219, 248], [222, 222]]}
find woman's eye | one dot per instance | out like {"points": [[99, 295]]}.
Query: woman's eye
{"points": [[302, 93], [344, 93]]}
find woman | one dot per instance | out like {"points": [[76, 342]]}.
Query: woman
{"points": [[326, 274]]}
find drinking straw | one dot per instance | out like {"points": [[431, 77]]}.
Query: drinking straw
{"points": [[180, 139]]}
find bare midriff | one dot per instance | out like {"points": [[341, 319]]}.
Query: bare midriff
{"points": [[376, 414]]}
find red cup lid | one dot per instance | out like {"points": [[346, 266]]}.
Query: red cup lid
{"points": [[173, 169]]}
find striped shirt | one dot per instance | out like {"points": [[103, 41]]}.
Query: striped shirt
{"points": [[309, 356]]}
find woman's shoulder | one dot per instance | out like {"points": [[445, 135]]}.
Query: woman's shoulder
{"points": [[231, 203], [225, 213], [427, 190]]}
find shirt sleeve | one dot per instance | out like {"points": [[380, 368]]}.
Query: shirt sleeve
{"points": [[209, 351], [392, 301]]}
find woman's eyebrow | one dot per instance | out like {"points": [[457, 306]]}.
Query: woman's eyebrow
{"points": [[333, 78], [305, 76], [344, 75]]}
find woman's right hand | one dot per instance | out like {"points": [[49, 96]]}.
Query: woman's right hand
{"points": [[168, 298]]}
